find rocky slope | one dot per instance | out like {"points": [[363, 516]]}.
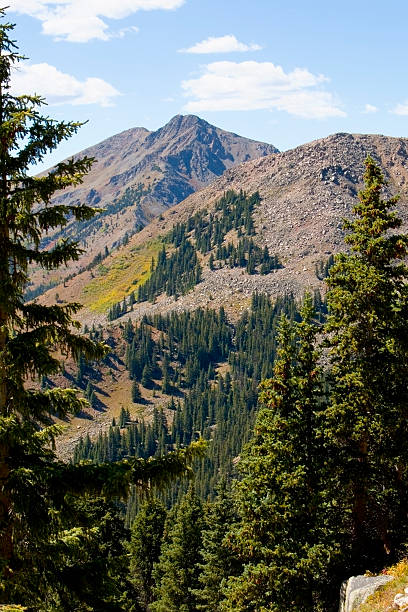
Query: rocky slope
{"points": [[169, 164], [138, 174], [306, 192]]}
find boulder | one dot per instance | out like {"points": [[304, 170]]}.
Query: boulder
{"points": [[401, 600], [357, 589]]}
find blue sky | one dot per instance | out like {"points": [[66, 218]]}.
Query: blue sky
{"points": [[281, 72]]}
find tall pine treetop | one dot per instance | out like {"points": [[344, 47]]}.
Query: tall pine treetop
{"points": [[373, 219], [29, 333]]}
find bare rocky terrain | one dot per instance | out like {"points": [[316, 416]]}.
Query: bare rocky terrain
{"points": [[138, 174], [306, 192]]}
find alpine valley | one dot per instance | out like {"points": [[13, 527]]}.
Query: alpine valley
{"points": [[204, 240], [249, 238], [203, 338]]}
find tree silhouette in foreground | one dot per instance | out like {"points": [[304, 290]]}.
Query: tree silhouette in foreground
{"points": [[33, 484]]}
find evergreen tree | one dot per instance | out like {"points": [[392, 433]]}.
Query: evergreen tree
{"points": [[136, 394], [366, 419], [87, 567], [124, 417], [281, 538], [29, 332], [147, 380], [144, 548], [177, 571], [218, 560], [33, 484]]}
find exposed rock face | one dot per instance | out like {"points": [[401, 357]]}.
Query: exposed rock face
{"points": [[357, 589], [401, 601], [139, 174], [306, 193]]}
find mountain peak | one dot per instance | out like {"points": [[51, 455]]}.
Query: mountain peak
{"points": [[139, 174], [184, 123], [186, 120]]}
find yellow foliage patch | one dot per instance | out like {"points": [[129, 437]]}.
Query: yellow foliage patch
{"points": [[118, 277]]}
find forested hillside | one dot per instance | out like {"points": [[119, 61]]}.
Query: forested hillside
{"points": [[207, 371], [300, 490], [261, 454]]}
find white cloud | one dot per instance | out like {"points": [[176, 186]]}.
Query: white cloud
{"points": [[84, 20], [260, 85], [401, 109], [59, 87], [222, 44], [124, 31], [370, 108]]}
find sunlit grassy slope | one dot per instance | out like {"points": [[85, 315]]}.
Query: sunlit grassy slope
{"points": [[120, 276]]}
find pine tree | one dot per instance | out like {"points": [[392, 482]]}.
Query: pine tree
{"points": [[29, 332], [147, 380], [218, 560], [124, 417], [136, 394], [281, 539], [177, 571], [90, 556], [366, 419], [144, 548]]}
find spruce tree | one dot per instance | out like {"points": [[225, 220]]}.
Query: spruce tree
{"points": [[218, 560], [136, 394], [147, 380], [366, 419], [29, 332], [87, 565], [144, 548], [177, 571], [280, 539]]}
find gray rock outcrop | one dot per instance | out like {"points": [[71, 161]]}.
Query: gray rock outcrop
{"points": [[357, 589]]}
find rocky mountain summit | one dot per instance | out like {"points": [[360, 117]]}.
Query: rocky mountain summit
{"points": [[167, 165], [138, 174]]}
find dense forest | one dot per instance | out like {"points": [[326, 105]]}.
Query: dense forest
{"points": [[305, 479], [279, 465], [210, 368]]}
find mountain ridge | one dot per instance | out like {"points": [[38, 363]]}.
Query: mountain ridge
{"points": [[138, 174], [306, 192]]}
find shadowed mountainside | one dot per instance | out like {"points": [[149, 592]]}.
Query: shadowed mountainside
{"points": [[138, 174]]}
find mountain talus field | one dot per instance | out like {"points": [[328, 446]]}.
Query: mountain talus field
{"points": [[305, 194]]}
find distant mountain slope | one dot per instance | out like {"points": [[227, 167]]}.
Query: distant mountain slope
{"points": [[171, 163], [138, 174], [305, 194]]}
